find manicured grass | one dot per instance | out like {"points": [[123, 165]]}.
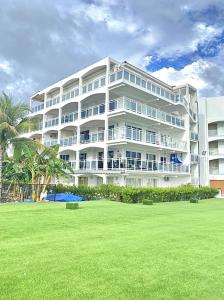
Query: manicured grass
{"points": [[109, 250]]}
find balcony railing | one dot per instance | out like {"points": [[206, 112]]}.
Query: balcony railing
{"points": [[149, 86], [51, 142], [68, 141], [52, 122], [144, 136], [53, 101], [93, 111], [93, 85], [38, 107], [194, 136], [92, 137], [216, 152], [130, 164], [67, 118], [145, 110], [194, 158], [70, 95]]}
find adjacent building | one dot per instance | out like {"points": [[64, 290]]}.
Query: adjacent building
{"points": [[117, 124], [211, 136]]}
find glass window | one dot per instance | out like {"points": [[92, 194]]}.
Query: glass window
{"points": [[112, 77], [158, 90], [84, 89], [126, 75], [167, 95], [132, 78], [148, 85], [162, 92], [72, 94], [102, 108], [76, 92], [153, 88], [172, 96]]}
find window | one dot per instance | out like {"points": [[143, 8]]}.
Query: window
{"points": [[143, 83], [84, 89], [132, 78], [72, 94], [76, 92], [112, 77], [153, 88], [102, 81], [149, 86], [163, 159], [151, 157], [102, 108], [138, 80], [65, 157], [119, 75], [90, 87], [96, 84], [158, 90]]}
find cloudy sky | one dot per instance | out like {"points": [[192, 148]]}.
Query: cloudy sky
{"points": [[176, 40]]}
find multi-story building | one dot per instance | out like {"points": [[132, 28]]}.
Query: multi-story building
{"points": [[118, 124], [211, 146]]}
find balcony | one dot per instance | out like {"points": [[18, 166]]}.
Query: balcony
{"points": [[194, 136], [145, 110], [144, 136], [68, 118], [128, 164], [93, 111], [92, 137], [68, 141], [216, 152], [37, 108], [70, 95], [93, 85], [53, 101], [51, 142], [149, 86], [52, 122]]}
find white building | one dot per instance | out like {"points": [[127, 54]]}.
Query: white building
{"points": [[118, 124], [211, 136]]}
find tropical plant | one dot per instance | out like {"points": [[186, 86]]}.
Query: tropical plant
{"points": [[14, 120]]}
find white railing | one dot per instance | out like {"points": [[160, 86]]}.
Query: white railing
{"points": [[36, 108], [145, 110], [51, 142], [53, 101], [144, 83], [194, 136], [93, 111], [52, 122], [68, 141], [92, 137], [70, 117], [94, 84], [144, 136], [133, 165]]}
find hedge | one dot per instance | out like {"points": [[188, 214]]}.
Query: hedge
{"points": [[136, 195]]}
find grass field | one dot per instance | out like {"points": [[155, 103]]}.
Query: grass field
{"points": [[109, 250]]}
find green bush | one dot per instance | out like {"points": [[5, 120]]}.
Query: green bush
{"points": [[147, 202], [138, 194], [72, 205], [193, 200]]}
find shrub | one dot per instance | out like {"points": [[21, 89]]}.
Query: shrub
{"points": [[147, 202], [72, 205], [193, 200], [138, 194]]}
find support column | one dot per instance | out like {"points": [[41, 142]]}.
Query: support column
{"points": [[104, 179], [76, 180], [77, 160]]}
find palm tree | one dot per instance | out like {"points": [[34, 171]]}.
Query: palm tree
{"points": [[14, 120]]}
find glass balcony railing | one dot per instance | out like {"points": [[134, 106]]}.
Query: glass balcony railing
{"points": [[144, 136], [194, 158], [53, 101], [37, 108], [70, 117], [68, 141], [93, 111], [71, 94], [93, 85], [194, 136], [216, 152], [130, 164], [52, 122], [145, 110], [92, 137], [151, 87], [51, 142]]}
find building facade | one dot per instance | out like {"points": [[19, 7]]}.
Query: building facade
{"points": [[118, 124], [211, 146]]}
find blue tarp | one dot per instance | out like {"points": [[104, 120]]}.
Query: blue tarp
{"points": [[65, 197], [175, 159]]}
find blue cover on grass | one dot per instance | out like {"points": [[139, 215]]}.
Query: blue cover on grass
{"points": [[65, 197]]}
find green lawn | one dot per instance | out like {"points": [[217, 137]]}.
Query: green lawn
{"points": [[109, 250]]}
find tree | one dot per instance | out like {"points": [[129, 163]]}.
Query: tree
{"points": [[14, 120]]}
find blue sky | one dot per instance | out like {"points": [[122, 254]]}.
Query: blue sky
{"points": [[176, 40]]}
